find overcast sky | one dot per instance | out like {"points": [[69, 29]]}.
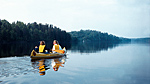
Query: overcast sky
{"points": [[125, 18]]}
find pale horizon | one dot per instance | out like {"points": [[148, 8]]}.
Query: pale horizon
{"points": [[123, 18]]}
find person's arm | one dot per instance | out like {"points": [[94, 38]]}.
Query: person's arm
{"points": [[46, 48], [36, 49], [53, 47]]}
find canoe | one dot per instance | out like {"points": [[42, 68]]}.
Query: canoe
{"points": [[59, 53], [35, 55]]}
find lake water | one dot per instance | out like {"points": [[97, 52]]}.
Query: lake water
{"points": [[85, 63]]}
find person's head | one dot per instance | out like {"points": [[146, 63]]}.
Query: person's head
{"points": [[42, 42], [55, 42]]}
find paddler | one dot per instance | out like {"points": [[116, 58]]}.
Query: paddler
{"points": [[42, 48], [56, 46]]}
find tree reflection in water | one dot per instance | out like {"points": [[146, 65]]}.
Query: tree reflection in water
{"points": [[24, 48], [92, 47]]}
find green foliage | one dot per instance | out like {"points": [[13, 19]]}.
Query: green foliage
{"points": [[92, 35], [31, 32]]}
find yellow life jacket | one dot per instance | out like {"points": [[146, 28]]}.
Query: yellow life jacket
{"points": [[42, 68], [56, 47], [60, 51], [41, 48]]}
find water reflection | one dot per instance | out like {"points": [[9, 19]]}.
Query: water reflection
{"points": [[92, 47], [45, 64], [23, 48], [15, 66], [16, 49], [56, 63], [42, 66], [126, 64]]}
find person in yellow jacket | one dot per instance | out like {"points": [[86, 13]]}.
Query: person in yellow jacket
{"points": [[42, 48], [56, 45], [57, 48]]}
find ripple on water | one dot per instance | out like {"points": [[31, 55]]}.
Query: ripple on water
{"points": [[13, 66]]}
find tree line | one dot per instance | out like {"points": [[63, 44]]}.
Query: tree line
{"points": [[19, 31], [96, 36], [141, 40]]}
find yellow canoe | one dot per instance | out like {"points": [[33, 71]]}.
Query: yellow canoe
{"points": [[35, 55]]}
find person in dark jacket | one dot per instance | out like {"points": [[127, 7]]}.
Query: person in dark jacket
{"points": [[42, 48]]}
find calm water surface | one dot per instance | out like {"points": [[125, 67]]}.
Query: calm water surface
{"points": [[84, 64]]}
